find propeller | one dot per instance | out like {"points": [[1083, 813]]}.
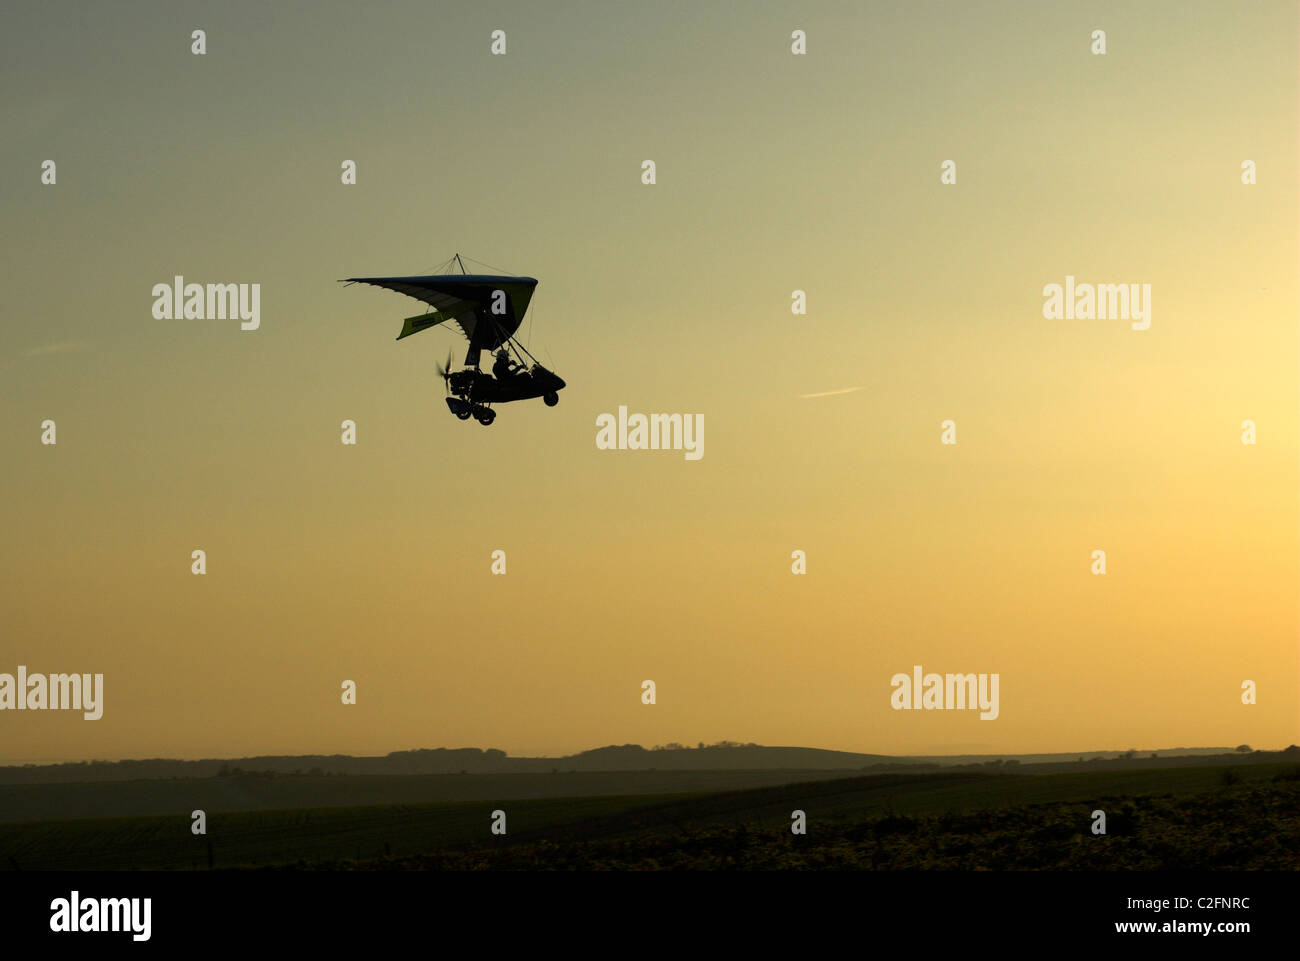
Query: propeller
{"points": [[444, 371]]}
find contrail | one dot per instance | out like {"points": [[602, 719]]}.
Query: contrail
{"points": [[830, 393]]}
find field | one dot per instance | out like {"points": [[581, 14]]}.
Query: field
{"points": [[265, 792], [1219, 817]]}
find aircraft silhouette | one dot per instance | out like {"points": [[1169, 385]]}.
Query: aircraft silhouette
{"points": [[488, 309]]}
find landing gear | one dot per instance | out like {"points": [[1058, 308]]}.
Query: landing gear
{"points": [[551, 399], [465, 410]]}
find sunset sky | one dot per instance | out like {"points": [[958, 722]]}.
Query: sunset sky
{"points": [[775, 173]]}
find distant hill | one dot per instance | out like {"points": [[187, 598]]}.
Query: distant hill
{"points": [[725, 756]]}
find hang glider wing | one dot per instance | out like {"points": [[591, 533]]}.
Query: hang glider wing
{"points": [[490, 307]]}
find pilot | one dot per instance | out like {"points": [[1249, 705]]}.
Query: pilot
{"points": [[501, 369]]}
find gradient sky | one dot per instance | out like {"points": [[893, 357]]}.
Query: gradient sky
{"points": [[775, 173]]}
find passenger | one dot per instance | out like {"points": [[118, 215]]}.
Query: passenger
{"points": [[502, 368]]}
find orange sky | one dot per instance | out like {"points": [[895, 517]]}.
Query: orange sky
{"points": [[775, 173]]}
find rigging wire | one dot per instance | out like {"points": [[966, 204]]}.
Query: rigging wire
{"points": [[490, 267], [459, 259], [507, 340], [438, 269]]}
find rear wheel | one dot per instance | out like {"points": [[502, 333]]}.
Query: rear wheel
{"points": [[551, 399]]}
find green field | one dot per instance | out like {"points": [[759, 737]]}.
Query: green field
{"points": [[1219, 817]]}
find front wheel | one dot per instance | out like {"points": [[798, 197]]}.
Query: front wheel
{"points": [[551, 399]]}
